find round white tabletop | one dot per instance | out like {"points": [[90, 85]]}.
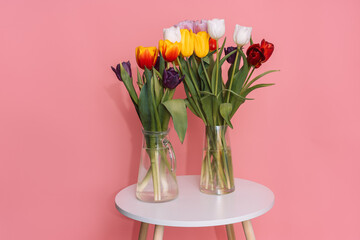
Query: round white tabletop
{"points": [[193, 208]]}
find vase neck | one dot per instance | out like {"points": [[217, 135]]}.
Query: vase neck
{"points": [[155, 139]]}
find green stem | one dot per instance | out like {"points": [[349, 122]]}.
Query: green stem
{"points": [[253, 69], [232, 76], [217, 68], [155, 174], [192, 78], [195, 101], [206, 75], [157, 118]]}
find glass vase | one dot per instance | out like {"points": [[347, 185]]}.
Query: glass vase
{"points": [[217, 170], [156, 179]]}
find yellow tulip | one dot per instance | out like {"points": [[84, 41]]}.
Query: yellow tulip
{"points": [[201, 44], [170, 51], [187, 42]]}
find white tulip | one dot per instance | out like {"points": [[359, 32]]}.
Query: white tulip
{"points": [[216, 28], [172, 34], [242, 35]]}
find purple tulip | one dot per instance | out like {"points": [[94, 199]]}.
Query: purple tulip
{"points": [[200, 26], [187, 24], [171, 78], [157, 64], [126, 66], [230, 59]]}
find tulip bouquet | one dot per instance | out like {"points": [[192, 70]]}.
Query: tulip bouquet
{"points": [[209, 96], [154, 106]]}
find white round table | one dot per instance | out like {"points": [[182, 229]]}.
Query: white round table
{"points": [[193, 208]]}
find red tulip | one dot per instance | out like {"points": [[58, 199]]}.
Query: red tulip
{"points": [[212, 44], [267, 48]]}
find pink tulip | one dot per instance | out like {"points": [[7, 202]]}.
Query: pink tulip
{"points": [[200, 26], [187, 24]]}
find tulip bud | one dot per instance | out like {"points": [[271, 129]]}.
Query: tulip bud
{"points": [[242, 35], [172, 34], [171, 78], [216, 28], [117, 71], [187, 24], [230, 59], [200, 26]]}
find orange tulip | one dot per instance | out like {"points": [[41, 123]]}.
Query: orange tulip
{"points": [[146, 56], [170, 51]]}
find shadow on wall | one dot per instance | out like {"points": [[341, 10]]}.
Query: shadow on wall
{"points": [[132, 124]]}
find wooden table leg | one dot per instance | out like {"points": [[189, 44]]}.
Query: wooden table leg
{"points": [[158, 232], [143, 231], [230, 232], [248, 230]]}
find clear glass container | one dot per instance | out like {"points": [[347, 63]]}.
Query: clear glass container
{"points": [[157, 178], [217, 170]]}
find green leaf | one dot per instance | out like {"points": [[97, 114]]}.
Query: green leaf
{"points": [[190, 106], [222, 47], [128, 82], [226, 57], [225, 112], [249, 90], [206, 60], [202, 71], [147, 74], [161, 64], [168, 94], [164, 115], [158, 89], [177, 109], [220, 81], [139, 79], [210, 107], [237, 95], [259, 76], [187, 80], [251, 41], [155, 101], [145, 108]]}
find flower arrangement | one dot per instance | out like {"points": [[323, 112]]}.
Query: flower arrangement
{"points": [[155, 106], [211, 97], [190, 53]]}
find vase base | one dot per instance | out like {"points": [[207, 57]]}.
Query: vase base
{"points": [[149, 197], [217, 191]]}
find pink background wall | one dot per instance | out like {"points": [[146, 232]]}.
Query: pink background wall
{"points": [[70, 139]]}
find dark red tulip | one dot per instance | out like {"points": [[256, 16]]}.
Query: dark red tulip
{"points": [[254, 55], [258, 54]]}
